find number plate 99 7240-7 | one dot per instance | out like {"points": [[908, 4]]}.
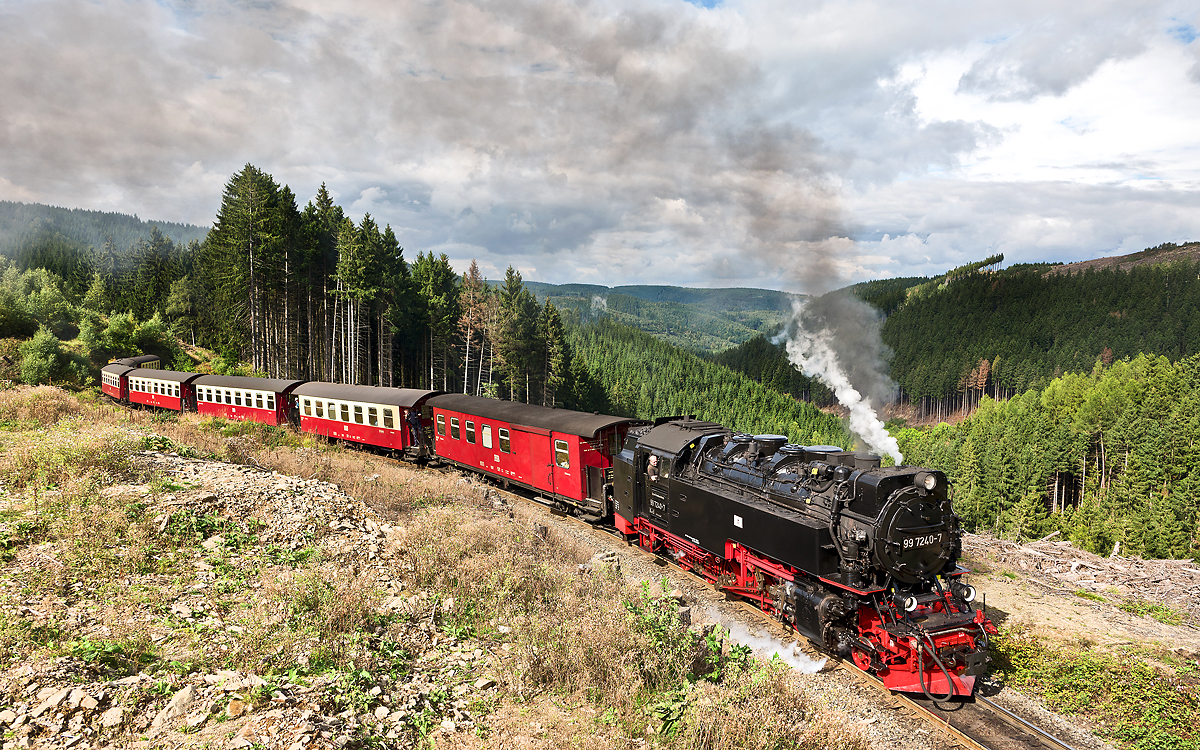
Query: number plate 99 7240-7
{"points": [[913, 542]]}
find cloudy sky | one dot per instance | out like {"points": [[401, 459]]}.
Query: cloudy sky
{"points": [[790, 145]]}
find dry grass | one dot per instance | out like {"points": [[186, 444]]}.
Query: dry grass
{"points": [[42, 405], [590, 637]]}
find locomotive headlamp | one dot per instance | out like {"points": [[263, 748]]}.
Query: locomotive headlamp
{"points": [[906, 603], [926, 480], [963, 591]]}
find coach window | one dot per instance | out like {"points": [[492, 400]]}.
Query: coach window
{"points": [[345, 412], [358, 414], [454, 427], [388, 423], [320, 409], [505, 445], [307, 408], [562, 458], [470, 432], [487, 435], [441, 425], [372, 416], [258, 404], [271, 401], [237, 398]]}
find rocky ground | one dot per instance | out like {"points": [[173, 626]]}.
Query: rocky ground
{"points": [[1067, 594], [73, 700]]}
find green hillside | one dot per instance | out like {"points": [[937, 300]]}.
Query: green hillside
{"points": [[703, 320], [646, 377]]}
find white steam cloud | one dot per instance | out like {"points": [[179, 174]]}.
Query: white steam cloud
{"points": [[836, 339], [599, 303], [767, 646]]}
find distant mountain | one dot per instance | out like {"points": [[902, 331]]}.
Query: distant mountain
{"points": [[703, 320], [23, 225]]}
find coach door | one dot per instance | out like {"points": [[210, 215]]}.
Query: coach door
{"points": [[541, 460]]}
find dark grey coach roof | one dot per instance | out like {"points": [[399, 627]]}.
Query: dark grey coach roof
{"points": [[516, 413], [116, 368], [135, 361], [169, 375], [405, 398], [251, 384], [673, 436]]}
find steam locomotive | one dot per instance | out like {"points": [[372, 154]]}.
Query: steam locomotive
{"points": [[860, 559]]}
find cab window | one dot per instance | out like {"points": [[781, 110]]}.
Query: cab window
{"points": [[441, 425], [454, 427], [505, 445], [562, 457]]}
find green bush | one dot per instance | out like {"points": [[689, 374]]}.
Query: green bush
{"points": [[41, 357]]}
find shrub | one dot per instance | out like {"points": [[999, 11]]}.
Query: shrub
{"points": [[41, 357]]}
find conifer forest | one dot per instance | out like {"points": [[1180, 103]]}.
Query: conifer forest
{"points": [[1054, 401]]}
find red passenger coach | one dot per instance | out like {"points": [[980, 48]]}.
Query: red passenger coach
{"points": [[114, 381], [565, 454], [389, 418], [163, 388], [263, 400]]}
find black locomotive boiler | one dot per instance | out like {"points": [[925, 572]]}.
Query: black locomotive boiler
{"points": [[861, 559]]}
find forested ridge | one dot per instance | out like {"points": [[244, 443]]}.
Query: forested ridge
{"points": [[647, 378], [1003, 333], [702, 320]]}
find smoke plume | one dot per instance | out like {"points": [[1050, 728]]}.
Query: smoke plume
{"points": [[835, 338]]}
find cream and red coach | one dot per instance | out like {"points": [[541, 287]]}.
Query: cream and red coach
{"points": [[145, 362], [265, 400], [565, 455], [163, 388], [388, 418], [114, 380]]}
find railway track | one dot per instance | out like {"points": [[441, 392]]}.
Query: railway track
{"points": [[977, 723]]}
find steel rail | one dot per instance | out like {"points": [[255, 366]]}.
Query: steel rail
{"points": [[1009, 715]]}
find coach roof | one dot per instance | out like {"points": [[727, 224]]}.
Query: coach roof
{"points": [[249, 384], [116, 369], [405, 398], [135, 361], [529, 415], [169, 375]]}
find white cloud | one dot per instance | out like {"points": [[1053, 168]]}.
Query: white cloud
{"points": [[756, 143]]}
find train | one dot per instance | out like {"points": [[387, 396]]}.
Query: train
{"points": [[860, 559]]}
